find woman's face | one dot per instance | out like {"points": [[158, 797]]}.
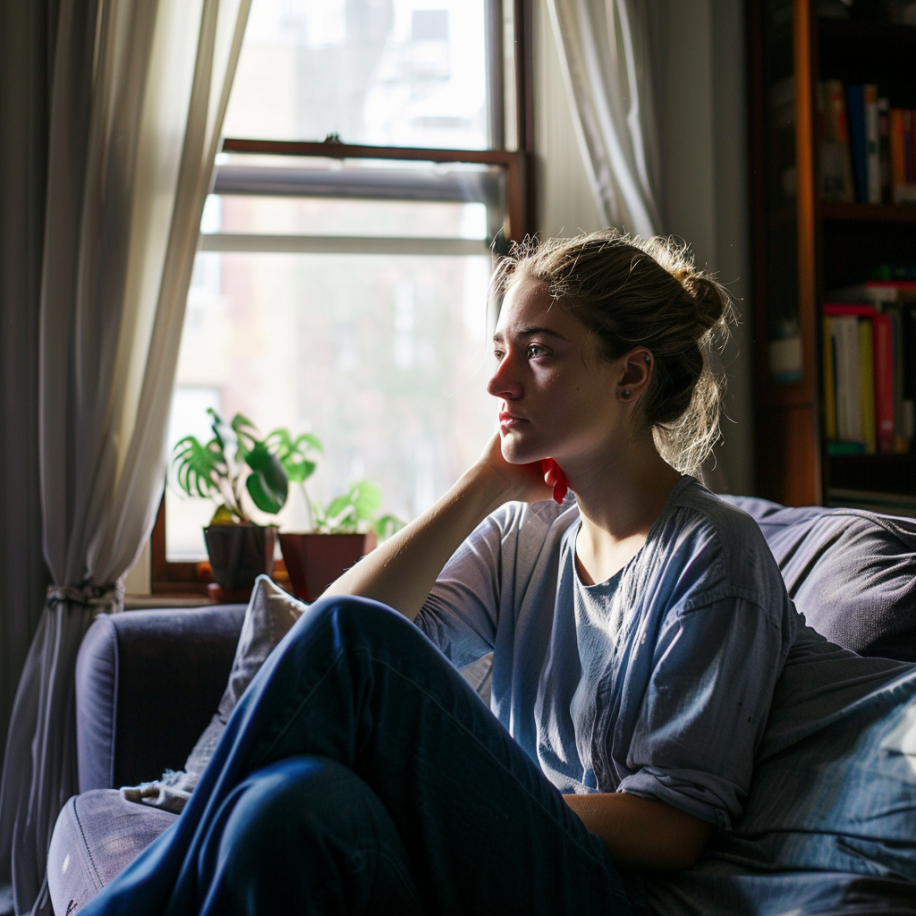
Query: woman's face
{"points": [[559, 398]]}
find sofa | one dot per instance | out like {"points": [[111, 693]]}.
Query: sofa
{"points": [[148, 683]]}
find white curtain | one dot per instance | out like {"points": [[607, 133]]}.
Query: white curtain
{"points": [[606, 49], [139, 90]]}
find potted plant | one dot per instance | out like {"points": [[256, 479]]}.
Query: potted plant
{"points": [[339, 534], [236, 460]]}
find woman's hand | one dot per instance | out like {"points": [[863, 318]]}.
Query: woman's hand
{"points": [[401, 572], [528, 483]]}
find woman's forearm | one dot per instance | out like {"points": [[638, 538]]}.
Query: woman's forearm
{"points": [[401, 572], [642, 832]]}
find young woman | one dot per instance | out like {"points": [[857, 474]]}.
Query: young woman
{"points": [[665, 731]]}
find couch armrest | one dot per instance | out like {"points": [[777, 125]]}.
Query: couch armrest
{"points": [[147, 684]]}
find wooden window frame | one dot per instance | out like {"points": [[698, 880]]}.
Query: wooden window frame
{"points": [[175, 578]]}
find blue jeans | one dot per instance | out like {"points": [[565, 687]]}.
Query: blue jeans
{"points": [[360, 772]]}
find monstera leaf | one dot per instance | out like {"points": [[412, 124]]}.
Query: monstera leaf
{"points": [[267, 484]]}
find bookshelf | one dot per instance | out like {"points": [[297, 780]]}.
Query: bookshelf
{"points": [[807, 244]]}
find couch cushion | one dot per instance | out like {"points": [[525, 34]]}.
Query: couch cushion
{"points": [[96, 835], [147, 683], [851, 573]]}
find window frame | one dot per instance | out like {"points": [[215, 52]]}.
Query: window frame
{"points": [[175, 578]]}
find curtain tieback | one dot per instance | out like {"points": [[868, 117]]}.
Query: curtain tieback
{"points": [[103, 597]]}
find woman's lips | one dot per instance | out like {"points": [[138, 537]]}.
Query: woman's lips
{"points": [[509, 421]]}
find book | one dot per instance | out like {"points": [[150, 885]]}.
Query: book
{"points": [[871, 362], [836, 165], [858, 144], [884, 149], [903, 432], [845, 333], [884, 383], [867, 385], [872, 144]]}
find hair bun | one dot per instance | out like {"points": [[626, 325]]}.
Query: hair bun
{"points": [[709, 297]]}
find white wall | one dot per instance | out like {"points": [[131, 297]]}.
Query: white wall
{"points": [[701, 95]]}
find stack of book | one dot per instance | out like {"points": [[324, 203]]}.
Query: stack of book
{"points": [[868, 148], [869, 365]]}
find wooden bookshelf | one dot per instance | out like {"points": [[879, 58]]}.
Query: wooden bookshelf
{"points": [[803, 246]]}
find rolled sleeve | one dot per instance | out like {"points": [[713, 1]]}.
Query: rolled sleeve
{"points": [[705, 709], [459, 615]]}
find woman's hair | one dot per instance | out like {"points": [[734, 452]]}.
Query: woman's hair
{"points": [[634, 292]]}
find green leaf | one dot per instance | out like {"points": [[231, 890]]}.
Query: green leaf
{"points": [[293, 453], [198, 466], [267, 484], [338, 506], [246, 434], [367, 499], [298, 471], [217, 425]]}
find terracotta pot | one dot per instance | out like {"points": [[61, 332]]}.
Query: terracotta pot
{"points": [[240, 553], [314, 561]]}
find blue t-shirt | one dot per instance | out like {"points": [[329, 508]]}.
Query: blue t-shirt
{"points": [[688, 677]]}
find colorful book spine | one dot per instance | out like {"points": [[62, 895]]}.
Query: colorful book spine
{"points": [[848, 397], [855, 110], [867, 385], [884, 383], [884, 152], [901, 440], [872, 144]]}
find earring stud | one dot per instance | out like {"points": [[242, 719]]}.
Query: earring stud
{"points": [[625, 394]]}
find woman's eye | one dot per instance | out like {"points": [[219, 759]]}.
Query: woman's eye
{"points": [[498, 355], [535, 350]]}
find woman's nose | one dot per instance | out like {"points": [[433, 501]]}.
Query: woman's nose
{"points": [[502, 383]]}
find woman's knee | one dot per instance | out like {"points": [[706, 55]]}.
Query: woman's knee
{"points": [[355, 621], [313, 826]]}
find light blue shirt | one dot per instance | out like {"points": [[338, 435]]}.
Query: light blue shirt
{"points": [[689, 677]]}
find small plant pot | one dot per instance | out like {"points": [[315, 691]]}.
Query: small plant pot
{"points": [[240, 553], [314, 561]]}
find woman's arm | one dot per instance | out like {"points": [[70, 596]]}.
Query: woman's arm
{"points": [[642, 832], [402, 571]]}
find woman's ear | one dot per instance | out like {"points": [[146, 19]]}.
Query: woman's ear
{"points": [[636, 374]]}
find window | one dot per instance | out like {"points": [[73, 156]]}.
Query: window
{"points": [[340, 286]]}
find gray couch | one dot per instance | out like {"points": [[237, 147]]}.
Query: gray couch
{"points": [[148, 682]]}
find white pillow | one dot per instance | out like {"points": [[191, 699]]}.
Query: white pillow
{"points": [[270, 616]]}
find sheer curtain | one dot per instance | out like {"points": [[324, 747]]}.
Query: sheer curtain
{"points": [[606, 51], [138, 94]]}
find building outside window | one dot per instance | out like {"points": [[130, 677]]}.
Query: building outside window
{"points": [[341, 286]]}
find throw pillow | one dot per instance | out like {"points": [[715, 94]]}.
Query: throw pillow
{"points": [[270, 616]]}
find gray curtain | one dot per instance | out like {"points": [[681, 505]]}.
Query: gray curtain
{"points": [[138, 91], [607, 51], [26, 27]]}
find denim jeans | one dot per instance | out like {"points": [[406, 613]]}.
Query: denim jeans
{"points": [[360, 772]]}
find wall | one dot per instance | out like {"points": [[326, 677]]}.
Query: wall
{"points": [[704, 193]]}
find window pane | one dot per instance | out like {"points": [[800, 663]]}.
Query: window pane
{"points": [[385, 359], [329, 217], [378, 72]]}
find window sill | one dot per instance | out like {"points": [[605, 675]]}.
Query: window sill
{"points": [[155, 602]]}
